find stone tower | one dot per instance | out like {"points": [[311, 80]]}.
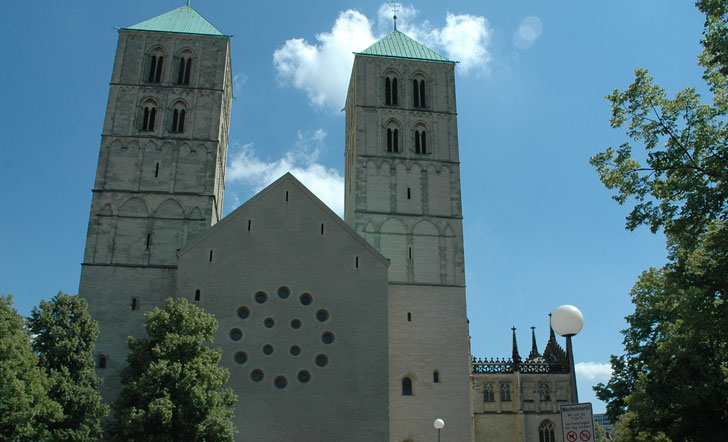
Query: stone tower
{"points": [[160, 175], [403, 196]]}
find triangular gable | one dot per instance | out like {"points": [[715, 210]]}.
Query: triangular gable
{"points": [[288, 178], [397, 44], [184, 20]]}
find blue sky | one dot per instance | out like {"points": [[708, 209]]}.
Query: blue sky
{"points": [[540, 229]]}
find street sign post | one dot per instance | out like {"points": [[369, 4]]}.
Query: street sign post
{"points": [[577, 422]]}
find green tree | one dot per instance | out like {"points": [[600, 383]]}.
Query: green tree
{"points": [[64, 337], [673, 375], [173, 381], [24, 404]]}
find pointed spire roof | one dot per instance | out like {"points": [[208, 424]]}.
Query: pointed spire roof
{"points": [[534, 348], [397, 44], [553, 351], [516, 357], [183, 20]]}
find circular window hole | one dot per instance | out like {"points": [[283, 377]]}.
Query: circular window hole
{"points": [[296, 324], [241, 357], [322, 315], [280, 382], [322, 360], [304, 376], [284, 292], [243, 312], [269, 322], [327, 338], [268, 349], [261, 297], [236, 334], [306, 299], [257, 375], [295, 350]]}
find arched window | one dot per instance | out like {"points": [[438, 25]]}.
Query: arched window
{"points": [[420, 141], [436, 377], [488, 393], [178, 119], [505, 392], [197, 295], [544, 392], [406, 387], [393, 137], [546, 432], [149, 116], [390, 91], [102, 361], [418, 93], [156, 64], [184, 69]]}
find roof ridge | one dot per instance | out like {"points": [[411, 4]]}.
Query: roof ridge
{"points": [[183, 20], [400, 45]]}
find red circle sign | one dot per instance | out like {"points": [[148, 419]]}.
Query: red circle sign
{"points": [[585, 435], [571, 436]]}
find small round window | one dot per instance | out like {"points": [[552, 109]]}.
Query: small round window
{"points": [[295, 350], [322, 315], [268, 349], [257, 375], [306, 299], [322, 360], [296, 324], [284, 292], [269, 322], [241, 357], [304, 376], [327, 338], [280, 382], [261, 297], [243, 312], [236, 334]]}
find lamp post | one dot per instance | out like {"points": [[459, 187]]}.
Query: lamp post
{"points": [[567, 321], [439, 423]]}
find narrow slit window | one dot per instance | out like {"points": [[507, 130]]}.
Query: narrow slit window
{"points": [[181, 125], [149, 240], [389, 140], [156, 171], [418, 149], [410, 253], [394, 91], [436, 377], [406, 387], [187, 71], [249, 222], [175, 118], [181, 74], [356, 262], [286, 196], [416, 93], [395, 139], [102, 361], [423, 142], [134, 303], [322, 228], [158, 74], [387, 91], [210, 255], [409, 193], [409, 317], [197, 295], [152, 68], [422, 93]]}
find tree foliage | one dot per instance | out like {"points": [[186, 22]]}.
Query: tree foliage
{"points": [[25, 408], [173, 381], [673, 375], [64, 337]]}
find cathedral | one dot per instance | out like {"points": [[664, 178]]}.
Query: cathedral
{"points": [[332, 329]]}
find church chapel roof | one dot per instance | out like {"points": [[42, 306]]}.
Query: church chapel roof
{"points": [[397, 44], [184, 20]]}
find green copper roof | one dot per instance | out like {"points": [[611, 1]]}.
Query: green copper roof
{"points": [[183, 20], [396, 44]]}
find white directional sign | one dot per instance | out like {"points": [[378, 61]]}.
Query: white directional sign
{"points": [[577, 422]]}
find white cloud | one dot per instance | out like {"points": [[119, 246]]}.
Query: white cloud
{"points": [[593, 371], [527, 33], [239, 81], [326, 183], [322, 70]]}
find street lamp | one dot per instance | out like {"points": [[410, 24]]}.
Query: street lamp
{"points": [[567, 321], [439, 423]]}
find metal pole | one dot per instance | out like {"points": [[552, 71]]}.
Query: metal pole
{"points": [[438, 435], [572, 370]]}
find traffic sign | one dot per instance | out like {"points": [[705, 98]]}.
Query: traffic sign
{"points": [[577, 422]]}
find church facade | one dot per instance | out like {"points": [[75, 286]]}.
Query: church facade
{"points": [[332, 329]]}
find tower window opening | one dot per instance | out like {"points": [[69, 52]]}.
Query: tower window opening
{"points": [[505, 392], [102, 361], [134, 305], [178, 120], [406, 387], [420, 142], [488, 394], [156, 171], [436, 377], [418, 93], [409, 194], [197, 295], [185, 66], [409, 316], [546, 432], [150, 114], [390, 91], [544, 392], [155, 69]]}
